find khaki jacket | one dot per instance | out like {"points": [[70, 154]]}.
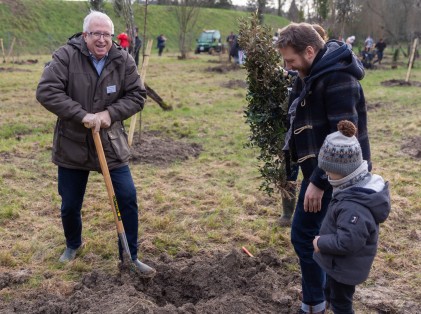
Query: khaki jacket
{"points": [[70, 88]]}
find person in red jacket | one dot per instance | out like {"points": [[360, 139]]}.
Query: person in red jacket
{"points": [[124, 41]]}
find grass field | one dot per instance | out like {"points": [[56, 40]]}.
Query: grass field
{"points": [[207, 202]]}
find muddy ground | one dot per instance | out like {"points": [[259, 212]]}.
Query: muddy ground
{"points": [[224, 281], [391, 83], [224, 68], [218, 282], [412, 146], [3, 69], [207, 282], [155, 148]]}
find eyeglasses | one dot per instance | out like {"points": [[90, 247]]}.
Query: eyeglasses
{"points": [[98, 35]]}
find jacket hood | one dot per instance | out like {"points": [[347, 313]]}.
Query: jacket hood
{"points": [[337, 57], [77, 41], [377, 202]]}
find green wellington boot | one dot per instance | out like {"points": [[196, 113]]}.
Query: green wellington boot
{"points": [[288, 206]]}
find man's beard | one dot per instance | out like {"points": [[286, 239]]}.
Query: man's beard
{"points": [[305, 68]]}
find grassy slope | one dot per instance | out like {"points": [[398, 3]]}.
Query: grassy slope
{"points": [[41, 26]]}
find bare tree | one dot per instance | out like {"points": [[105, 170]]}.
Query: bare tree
{"points": [[280, 5], [96, 5], [251, 5], [124, 8], [294, 14], [397, 22], [322, 9], [261, 5], [346, 11], [187, 13]]}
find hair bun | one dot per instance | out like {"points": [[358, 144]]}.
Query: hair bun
{"points": [[347, 128]]}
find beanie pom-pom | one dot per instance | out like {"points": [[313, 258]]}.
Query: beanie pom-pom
{"points": [[347, 128]]}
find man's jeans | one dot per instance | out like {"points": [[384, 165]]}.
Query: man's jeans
{"points": [[72, 186], [305, 226]]}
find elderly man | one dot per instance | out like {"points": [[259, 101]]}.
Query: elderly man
{"points": [[327, 91], [92, 83]]}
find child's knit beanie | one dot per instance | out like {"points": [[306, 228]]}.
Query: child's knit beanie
{"points": [[341, 152]]}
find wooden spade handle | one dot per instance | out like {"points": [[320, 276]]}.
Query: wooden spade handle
{"points": [[108, 183]]}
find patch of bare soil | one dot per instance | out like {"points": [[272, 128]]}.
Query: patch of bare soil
{"points": [[235, 84], [218, 282], [224, 68], [13, 69], [208, 282], [10, 279], [394, 82], [412, 147], [375, 106], [28, 61], [154, 148], [215, 61]]}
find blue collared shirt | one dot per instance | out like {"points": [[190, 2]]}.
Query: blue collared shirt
{"points": [[98, 64]]}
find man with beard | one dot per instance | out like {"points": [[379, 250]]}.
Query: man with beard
{"points": [[326, 91]]}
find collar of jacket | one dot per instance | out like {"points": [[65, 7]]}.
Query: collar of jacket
{"points": [[336, 57]]}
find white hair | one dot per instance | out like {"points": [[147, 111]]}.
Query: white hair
{"points": [[96, 15]]}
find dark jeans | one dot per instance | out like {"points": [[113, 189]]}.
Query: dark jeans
{"points": [[136, 57], [305, 226], [72, 187], [160, 50], [339, 295], [379, 57]]}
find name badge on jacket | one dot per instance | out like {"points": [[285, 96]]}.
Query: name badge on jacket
{"points": [[111, 89]]}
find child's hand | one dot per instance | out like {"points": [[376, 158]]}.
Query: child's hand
{"points": [[316, 248]]}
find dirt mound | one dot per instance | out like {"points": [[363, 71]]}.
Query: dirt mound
{"points": [[224, 68], [28, 61], [217, 282], [412, 147], [154, 148], [235, 84], [375, 106], [390, 83], [2, 69], [10, 279], [208, 283]]}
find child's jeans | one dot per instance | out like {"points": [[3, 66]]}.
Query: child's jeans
{"points": [[339, 296]]}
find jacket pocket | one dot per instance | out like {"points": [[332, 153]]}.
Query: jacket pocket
{"points": [[119, 142], [72, 144]]}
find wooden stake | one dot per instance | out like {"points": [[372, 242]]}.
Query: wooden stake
{"points": [[247, 251], [142, 77], [411, 59], [2, 50], [11, 48], [146, 59]]}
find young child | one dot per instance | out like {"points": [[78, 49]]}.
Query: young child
{"points": [[347, 243]]}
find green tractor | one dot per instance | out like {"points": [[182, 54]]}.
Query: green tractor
{"points": [[209, 41]]}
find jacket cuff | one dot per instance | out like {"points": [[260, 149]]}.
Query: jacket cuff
{"points": [[79, 116], [319, 179], [322, 243]]}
